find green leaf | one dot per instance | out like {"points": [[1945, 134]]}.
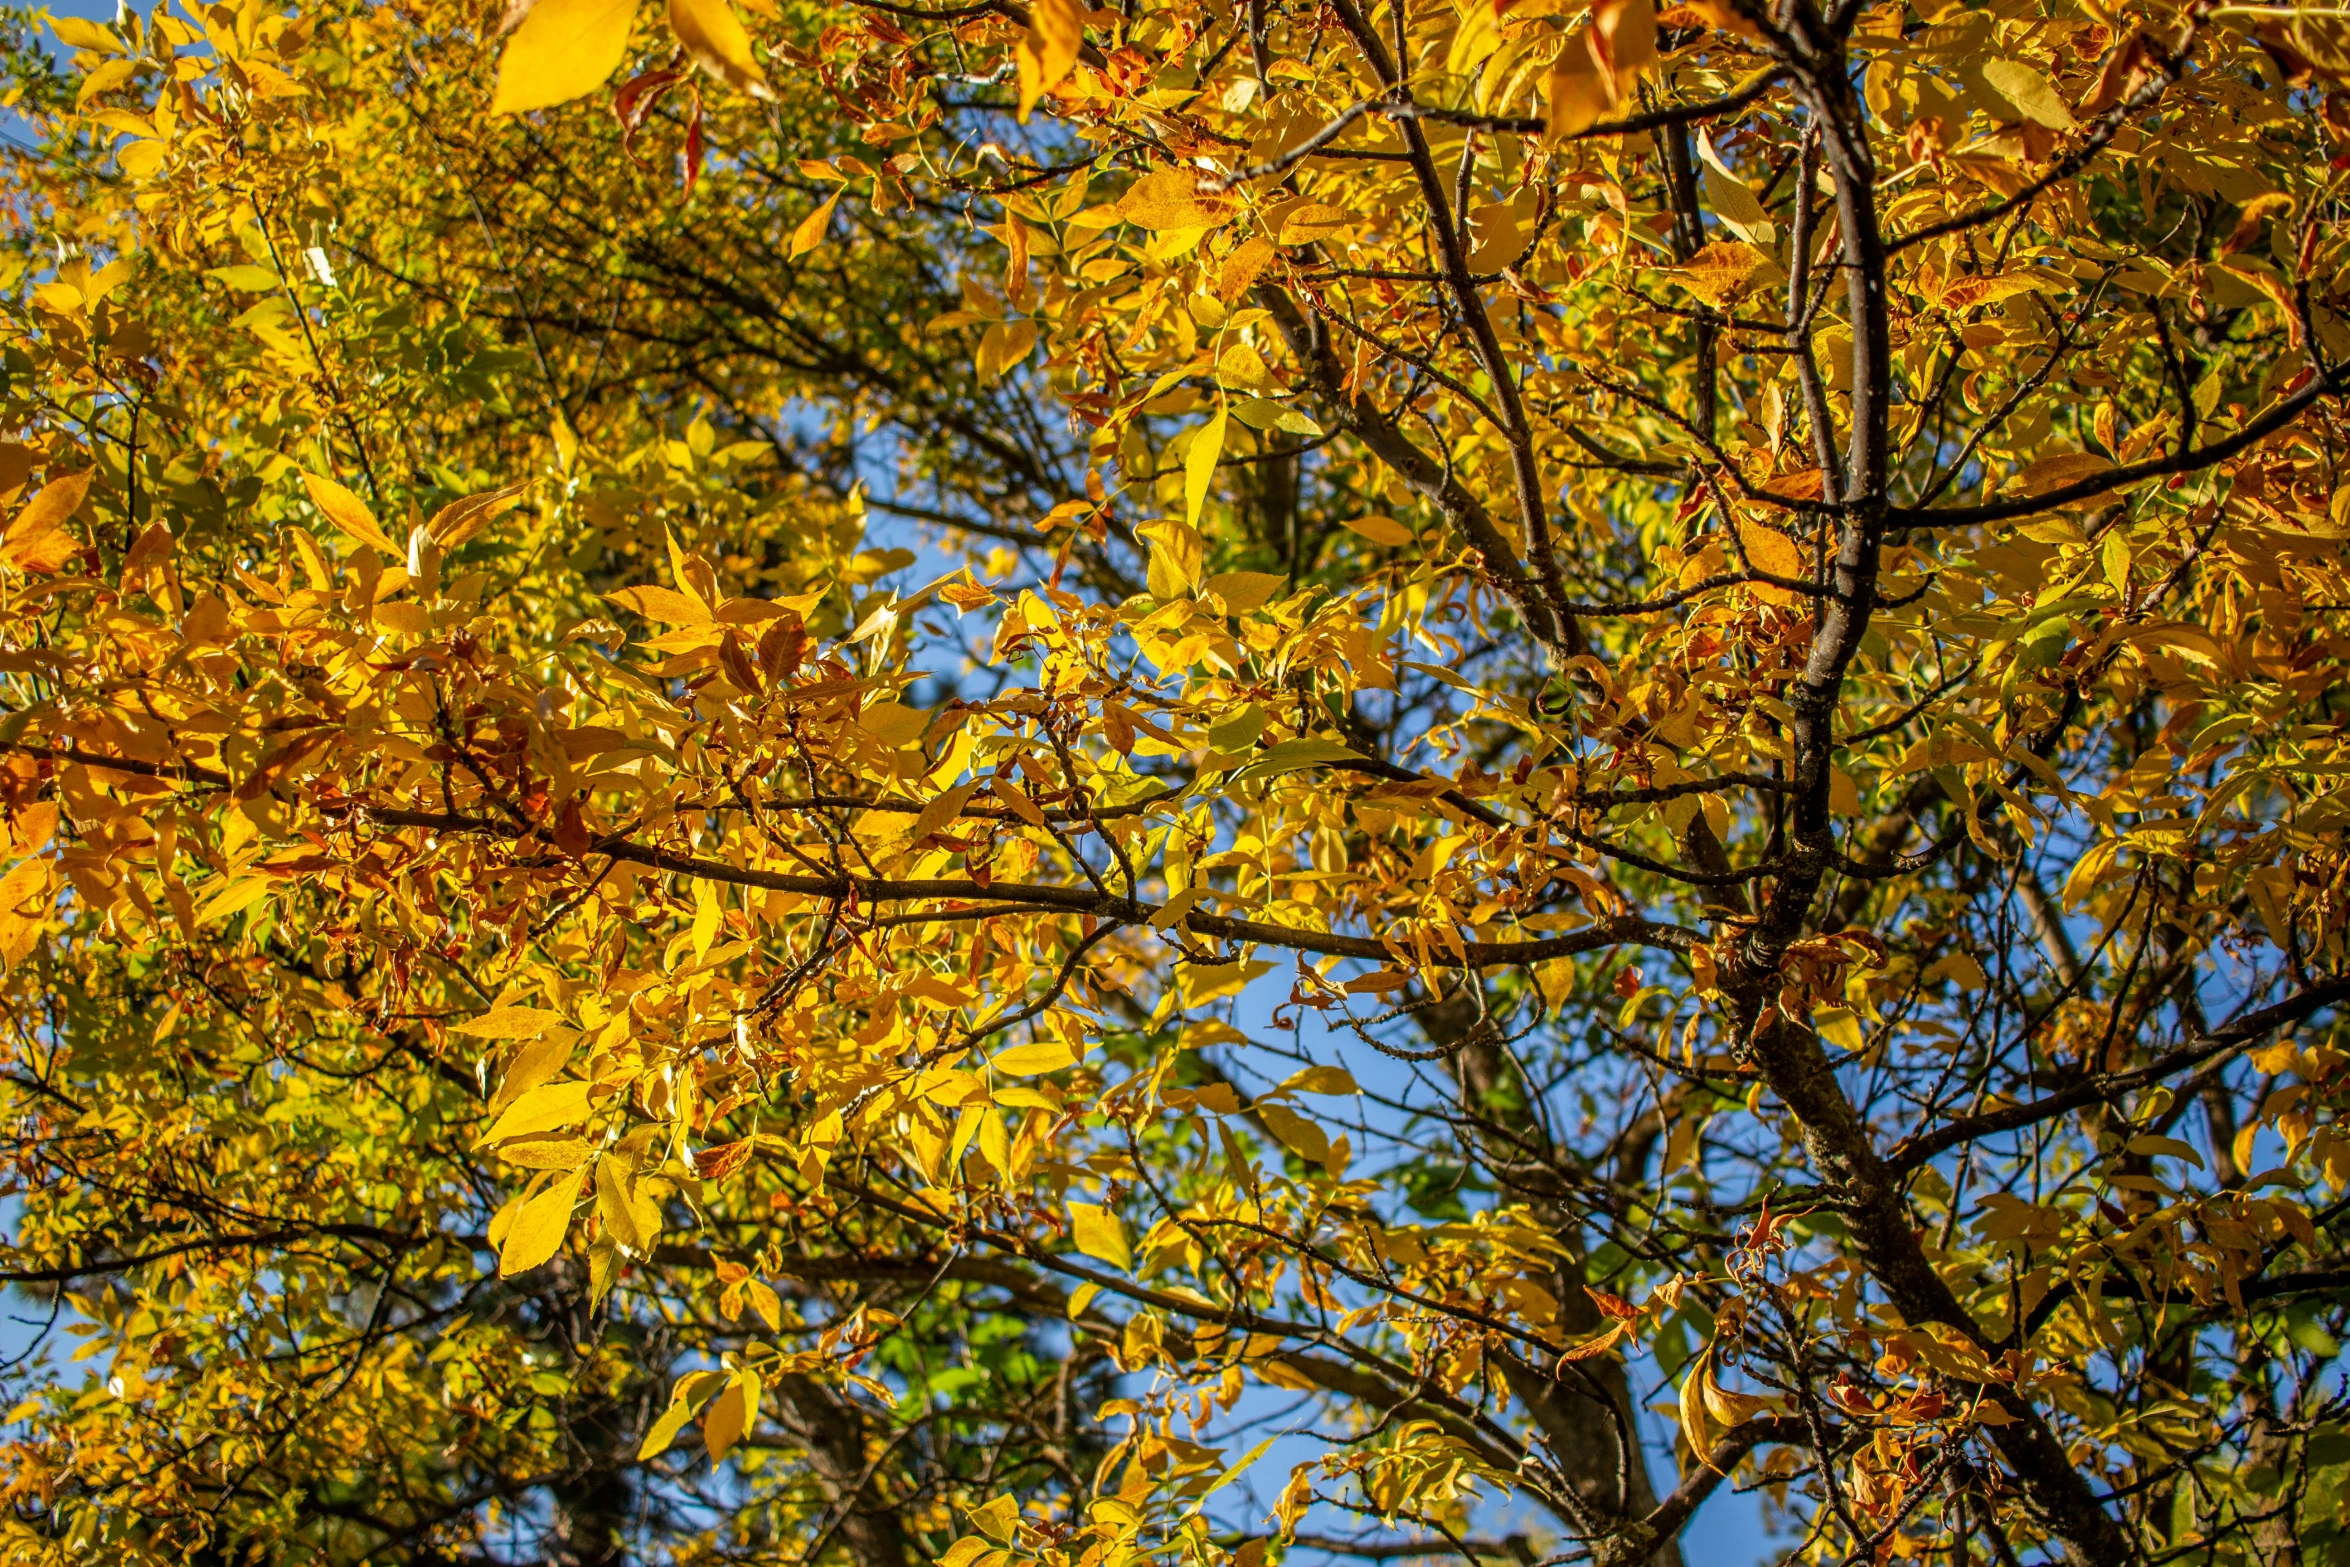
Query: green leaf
{"points": [[1292, 756], [1240, 1468]]}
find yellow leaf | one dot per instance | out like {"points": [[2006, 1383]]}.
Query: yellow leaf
{"points": [[706, 917], [543, 1109], [1843, 793], [37, 541], [1303, 223], [1719, 13], [1215, 1098], [57, 500], [1307, 1140], [1098, 1233], [2115, 560], [1205, 982], [894, 724], [111, 75], [691, 1392], [564, 49], [2247, 1141], [1725, 1406], [1244, 367], [538, 1229], [1499, 239], [2246, 233], [43, 554], [1717, 273], [508, 1023], [2188, 641], [21, 885], [1241, 268], [2056, 471], [998, 1519], [547, 1153], [1049, 49], [929, 988], [674, 1419], [1576, 93], [1199, 464], [731, 1415], [1623, 34], [461, 519], [714, 36], [1383, 531], [1697, 1427], [1335, 1081], [813, 227], [613, 1207], [2028, 92], [1769, 550], [1732, 198], [18, 937], [1965, 293], [1007, 789], [347, 512], [1004, 345], [248, 278], [1171, 198], [235, 896], [1840, 1027], [1034, 1059], [1244, 591], [664, 606], [30, 831], [1177, 552], [1958, 968], [1477, 36], [76, 33], [941, 810]]}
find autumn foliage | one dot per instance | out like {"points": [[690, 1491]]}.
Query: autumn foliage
{"points": [[885, 783]]}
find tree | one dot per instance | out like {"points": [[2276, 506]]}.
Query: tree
{"points": [[1729, 616]]}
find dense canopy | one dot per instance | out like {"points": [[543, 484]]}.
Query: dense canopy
{"points": [[875, 784]]}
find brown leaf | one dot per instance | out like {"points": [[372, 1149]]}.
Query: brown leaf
{"points": [[1593, 1347], [716, 1164], [737, 664], [2124, 73], [1611, 1304], [782, 645], [1807, 484]]}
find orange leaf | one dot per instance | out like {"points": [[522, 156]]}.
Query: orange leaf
{"points": [[37, 541]]}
